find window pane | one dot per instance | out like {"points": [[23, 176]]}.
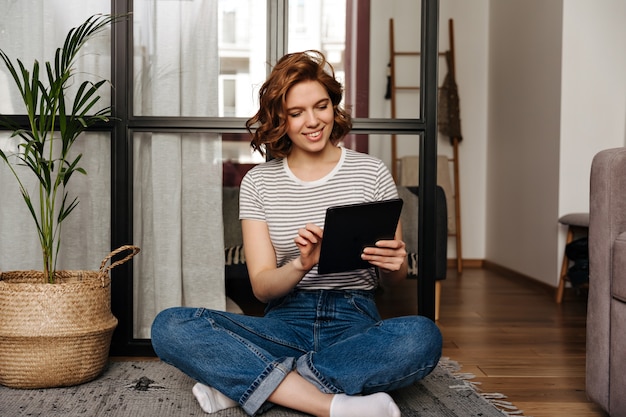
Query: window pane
{"points": [[202, 58], [33, 29], [402, 94], [320, 25], [355, 36]]}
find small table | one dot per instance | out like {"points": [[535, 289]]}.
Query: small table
{"points": [[574, 222]]}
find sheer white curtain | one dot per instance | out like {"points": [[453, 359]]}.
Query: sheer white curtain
{"points": [[86, 232], [177, 180], [33, 29], [177, 177]]}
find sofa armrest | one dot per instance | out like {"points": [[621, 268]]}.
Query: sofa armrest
{"points": [[409, 220], [230, 213], [607, 221]]}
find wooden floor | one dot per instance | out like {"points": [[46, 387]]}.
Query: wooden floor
{"points": [[511, 334]]}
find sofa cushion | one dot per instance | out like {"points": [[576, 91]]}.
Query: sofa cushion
{"points": [[618, 285]]}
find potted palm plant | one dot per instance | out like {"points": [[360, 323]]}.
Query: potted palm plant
{"points": [[55, 326]]}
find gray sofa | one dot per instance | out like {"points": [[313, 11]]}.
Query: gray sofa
{"points": [[606, 312], [236, 274]]}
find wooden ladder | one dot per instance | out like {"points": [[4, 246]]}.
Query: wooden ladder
{"points": [[394, 88]]}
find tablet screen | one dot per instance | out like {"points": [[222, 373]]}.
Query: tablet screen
{"points": [[350, 228]]}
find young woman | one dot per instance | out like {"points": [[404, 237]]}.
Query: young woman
{"points": [[321, 347]]}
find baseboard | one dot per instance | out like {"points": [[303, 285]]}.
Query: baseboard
{"points": [[466, 263], [509, 273], [501, 270]]}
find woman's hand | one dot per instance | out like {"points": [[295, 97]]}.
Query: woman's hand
{"points": [[308, 241], [387, 255], [269, 282], [390, 257]]}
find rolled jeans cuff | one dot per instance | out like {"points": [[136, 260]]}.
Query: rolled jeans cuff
{"points": [[266, 384], [306, 369]]}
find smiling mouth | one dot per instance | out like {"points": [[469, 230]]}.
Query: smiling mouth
{"points": [[314, 135]]}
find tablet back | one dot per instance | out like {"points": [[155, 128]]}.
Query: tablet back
{"points": [[350, 228]]}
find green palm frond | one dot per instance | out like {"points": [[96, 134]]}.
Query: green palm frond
{"points": [[54, 126]]}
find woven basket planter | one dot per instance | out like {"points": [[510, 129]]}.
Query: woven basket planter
{"points": [[55, 335]]}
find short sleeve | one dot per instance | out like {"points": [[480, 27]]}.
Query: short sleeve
{"points": [[250, 200], [386, 187]]}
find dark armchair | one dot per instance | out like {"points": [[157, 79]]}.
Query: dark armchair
{"points": [[236, 275]]}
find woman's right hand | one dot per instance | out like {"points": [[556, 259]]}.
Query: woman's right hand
{"points": [[269, 282], [308, 241]]}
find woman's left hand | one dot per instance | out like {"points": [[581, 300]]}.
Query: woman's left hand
{"points": [[388, 255]]}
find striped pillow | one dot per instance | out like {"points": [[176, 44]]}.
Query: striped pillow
{"points": [[234, 255]]}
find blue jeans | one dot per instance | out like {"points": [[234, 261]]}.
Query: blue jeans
{"points": [[334, 339]]}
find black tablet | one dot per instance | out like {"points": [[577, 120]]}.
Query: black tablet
{"points": [[350, 228]]}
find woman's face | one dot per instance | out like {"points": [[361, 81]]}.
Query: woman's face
{"points": [[310, 116]]}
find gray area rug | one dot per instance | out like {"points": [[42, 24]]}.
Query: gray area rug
{"points": [[155, 389]]}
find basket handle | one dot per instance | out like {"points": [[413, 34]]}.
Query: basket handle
{"points": [[134, 250]]}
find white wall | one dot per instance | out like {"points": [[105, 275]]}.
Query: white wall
{"points": [[592, 108], [557, 96], [542, 88], [524, 132], [593, 103]]}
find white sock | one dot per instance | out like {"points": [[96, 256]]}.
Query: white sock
{"points": [[210, 399], [375, 405]]}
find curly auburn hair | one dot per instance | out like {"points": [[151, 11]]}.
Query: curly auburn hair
{"points": [[271, 119]]}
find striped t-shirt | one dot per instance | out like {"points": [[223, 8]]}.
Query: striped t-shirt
{"points": [[270, 192]]}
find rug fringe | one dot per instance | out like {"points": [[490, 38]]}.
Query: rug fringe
{"points": [[494, 398]]}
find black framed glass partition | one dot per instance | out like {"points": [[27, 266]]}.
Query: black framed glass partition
{"points": [[185, 75]]}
